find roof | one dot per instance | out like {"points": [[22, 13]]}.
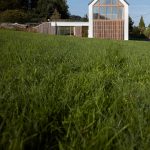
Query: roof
{"points": [[70, 24], [93, 0]]}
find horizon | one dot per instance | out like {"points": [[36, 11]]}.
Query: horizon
{"points": [[134, 5]]}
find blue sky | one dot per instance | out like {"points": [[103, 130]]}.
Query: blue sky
{"points": [[136, 9]]}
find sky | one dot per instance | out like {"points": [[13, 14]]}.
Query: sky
{"points": [[137, 8]]}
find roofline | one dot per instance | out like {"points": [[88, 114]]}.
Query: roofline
{"points": [[69, 24], [124, 0]]}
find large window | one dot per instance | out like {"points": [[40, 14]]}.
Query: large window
{"points": [[108, 10], [65, 30]]}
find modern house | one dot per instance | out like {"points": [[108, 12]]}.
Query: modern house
{"points": [[108, 19]]}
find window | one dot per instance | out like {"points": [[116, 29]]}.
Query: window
{"points": [[108, 13], [108, 2], [102, 10], [96, 12], [120, 13], [114, 12], [102, 2], [108, 10], [114, 2], [97, 3]]}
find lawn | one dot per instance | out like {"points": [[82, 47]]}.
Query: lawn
{"points": [[67, 93]]}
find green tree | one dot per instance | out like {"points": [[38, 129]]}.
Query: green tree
{"points": [[40, 9], [147, 32], [9, 4], [56, 15], [45, 8], [62, 7], [142, 25], [85, 18], [28, 4], [131, 23], [136, 31], [14, 16], [17, 4]]}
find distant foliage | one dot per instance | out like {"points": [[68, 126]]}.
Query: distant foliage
{"points": [[136, 30], [9, 4], [14, 16], [17, 4], [78, 18], [131, 23], [45, 8], [140, 32], [142, 25], [56, 15], [147, 32], [37, 9]]}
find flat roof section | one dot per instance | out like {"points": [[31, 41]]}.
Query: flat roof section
{"points": [[70, 24]]}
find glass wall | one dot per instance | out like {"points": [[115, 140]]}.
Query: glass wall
{"points": [[65, 30], [108, 10]]}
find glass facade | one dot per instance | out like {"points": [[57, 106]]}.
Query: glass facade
{"points": [[108, 10]]}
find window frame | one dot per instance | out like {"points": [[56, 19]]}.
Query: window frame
{"points": [[109, 13]]}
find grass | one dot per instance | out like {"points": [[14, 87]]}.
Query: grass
{"points": [[72, 93]]}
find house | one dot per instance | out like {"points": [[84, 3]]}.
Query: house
{"points": [[108, 19]]}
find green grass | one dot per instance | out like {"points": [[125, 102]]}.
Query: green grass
{"points": [[72, 93]]}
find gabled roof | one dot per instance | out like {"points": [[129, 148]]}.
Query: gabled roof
{"points": [[93, 0]]}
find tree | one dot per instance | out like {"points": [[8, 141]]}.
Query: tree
{"points": [[147, 32], [131, 23], [45, 8], [56, 15], [136, 31], [34, 3], [17, 4], [9, 4], [75, 17], [37, 9], [85, 18], [28, 4], [62, 7], [14, 16], [141, 25]]}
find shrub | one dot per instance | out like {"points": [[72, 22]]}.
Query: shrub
{"points": [[14, 16], [147, 32], [137, 34]]}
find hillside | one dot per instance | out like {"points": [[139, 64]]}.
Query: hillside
{"points": [[72, 93]]}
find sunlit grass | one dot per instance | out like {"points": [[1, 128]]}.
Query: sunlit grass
{"points": [[70, 93]]}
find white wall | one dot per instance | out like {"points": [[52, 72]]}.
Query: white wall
{"points": [[90, 34], [126, 20], [70, 24]]}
